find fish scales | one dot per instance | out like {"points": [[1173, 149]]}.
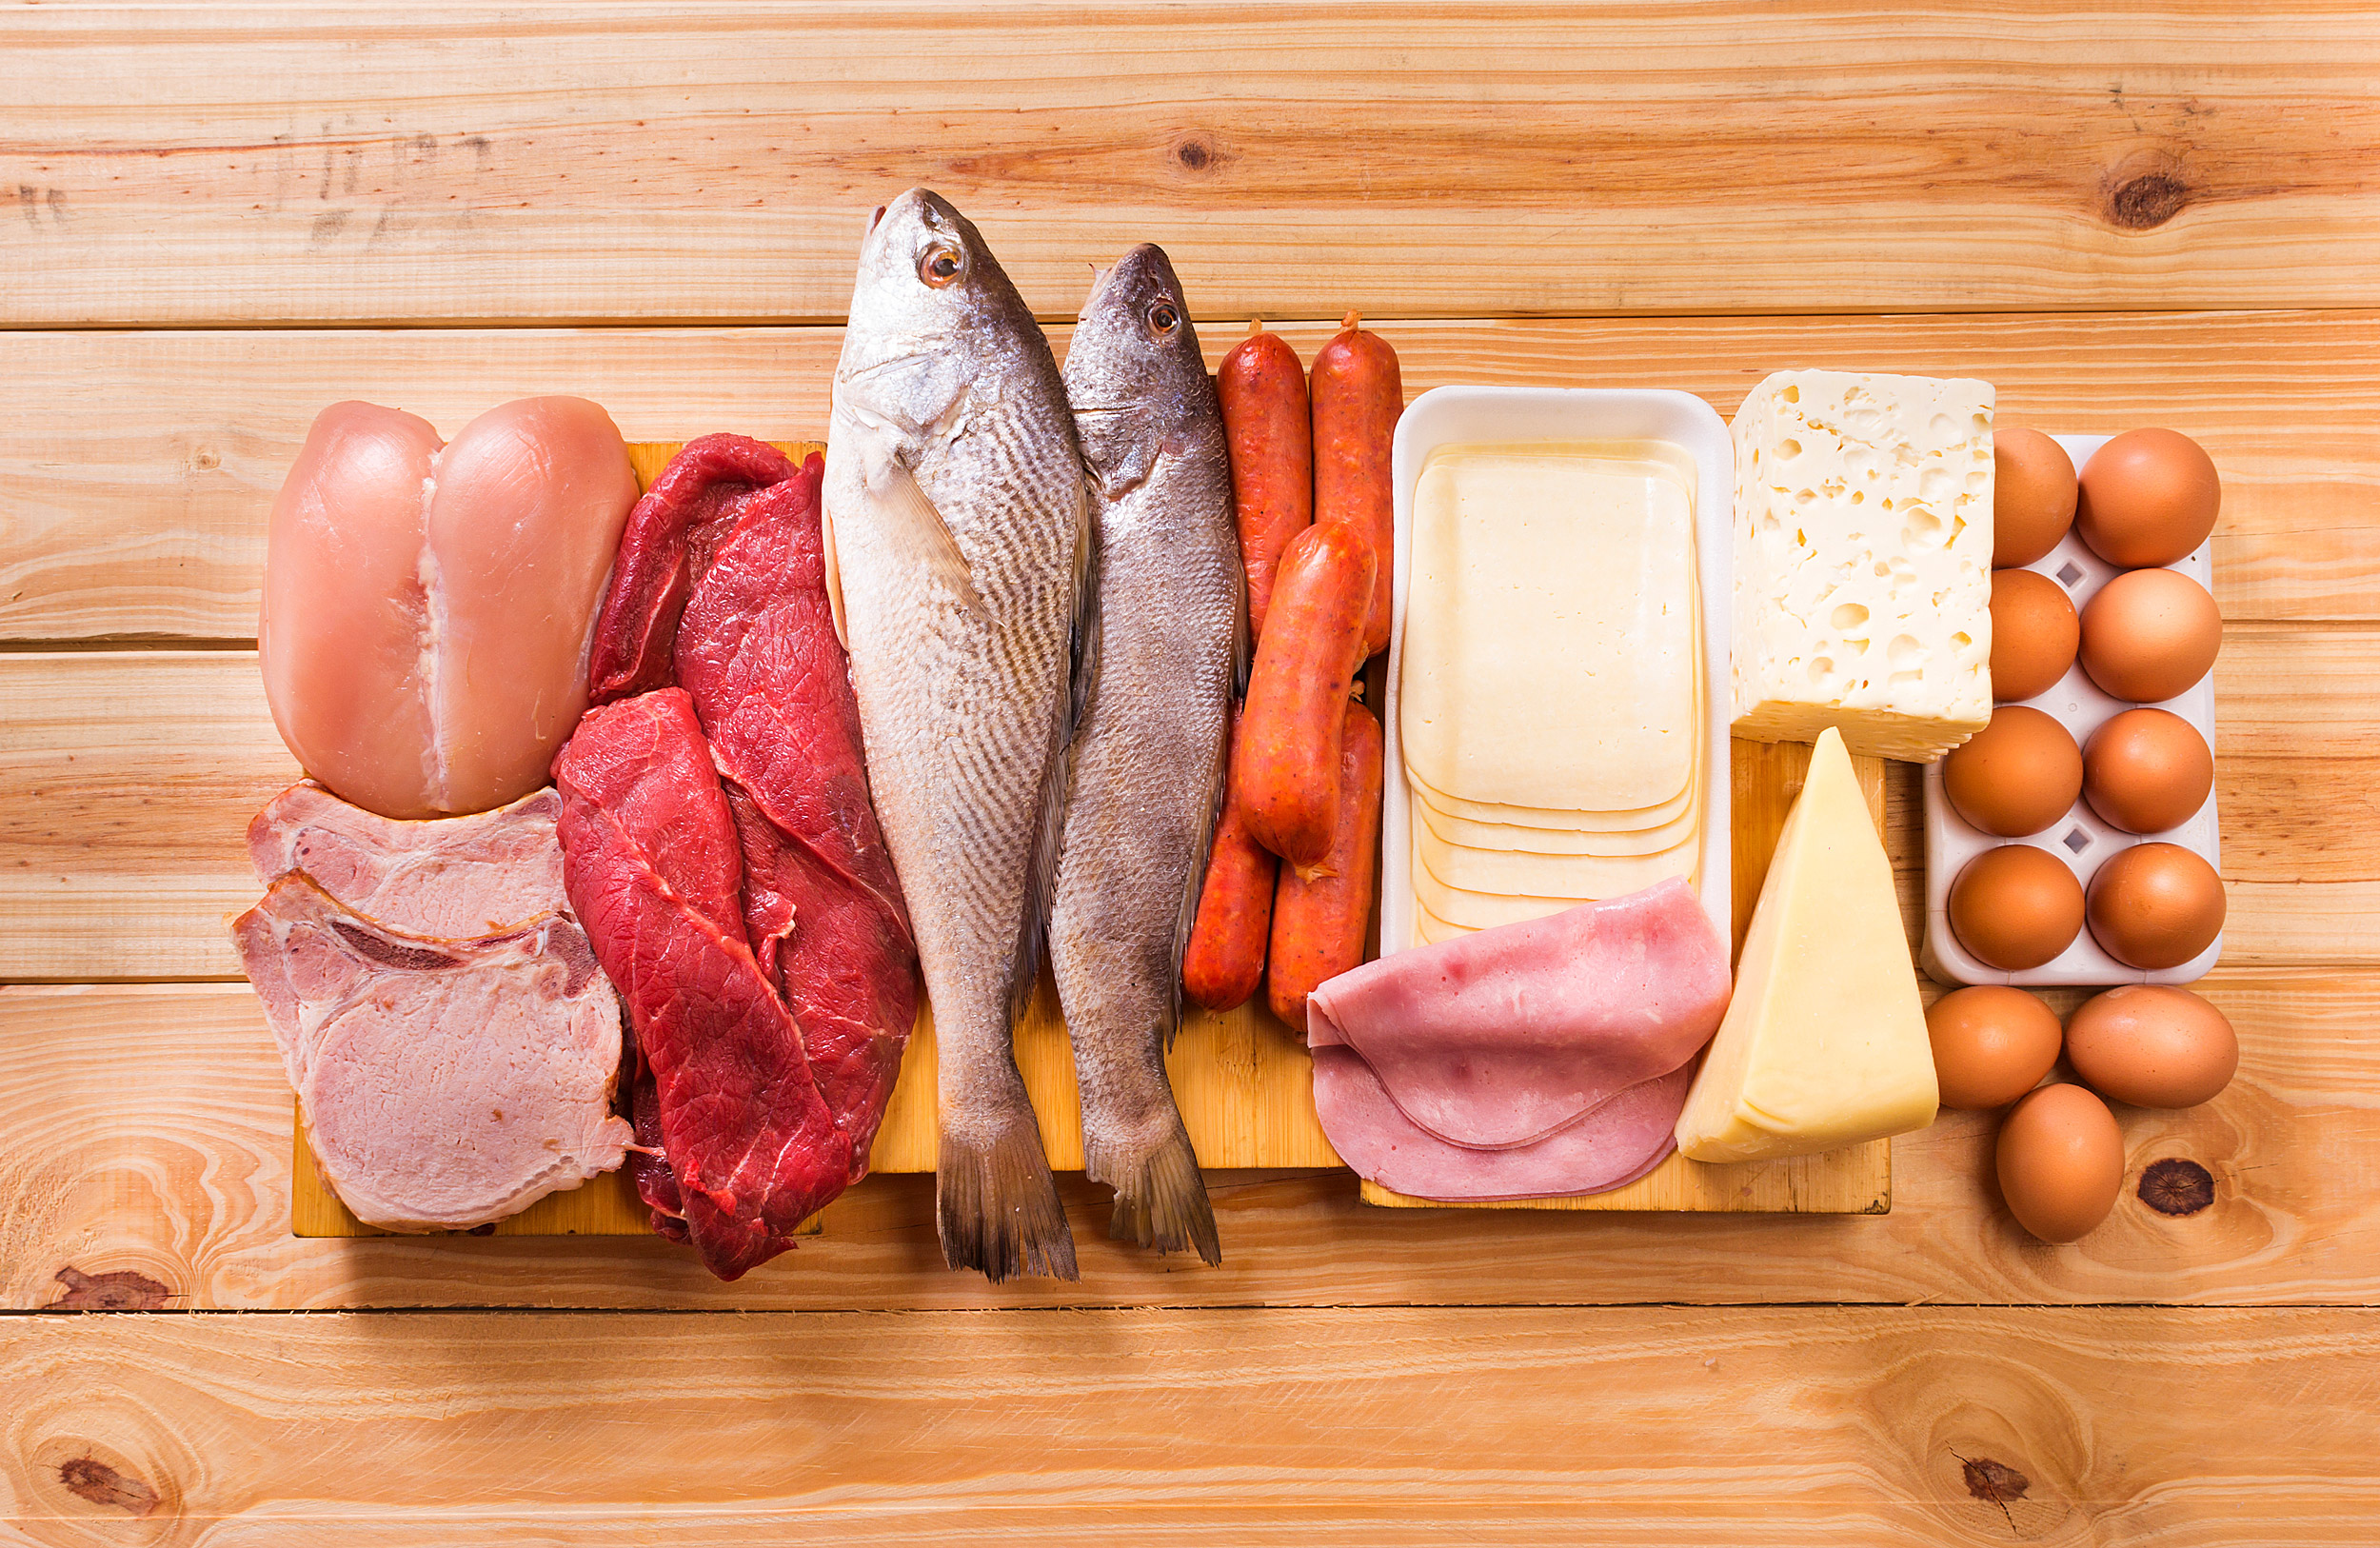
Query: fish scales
{"points": [[1147, 755]]}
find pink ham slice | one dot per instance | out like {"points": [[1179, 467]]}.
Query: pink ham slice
{"points": [[428, 611], [1549, 1057], [446, 1083], [453, 875]]}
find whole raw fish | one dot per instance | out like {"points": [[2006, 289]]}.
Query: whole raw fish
{"points": [[958, 525], [1149, 750]]}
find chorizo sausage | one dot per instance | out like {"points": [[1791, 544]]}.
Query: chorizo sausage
{"points": [[1224, 961], [1319, 921], [1262, 389], [1359, 392], [1286, 760]]}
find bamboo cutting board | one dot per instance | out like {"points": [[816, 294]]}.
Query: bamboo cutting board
{"points": [[1244, 1082]]}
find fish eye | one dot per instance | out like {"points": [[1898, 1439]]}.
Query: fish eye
{"points": [[942, 265], [1163, 318]]}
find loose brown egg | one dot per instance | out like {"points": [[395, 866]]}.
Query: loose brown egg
{"points": [[2147, 770], [2033, 497], [1992, 1044], [2034, 633], [2016, 776], [2016, 906], [2061, 1162], [2150, 634], [2148, 497], [2155, 906], [2152, 1045]]}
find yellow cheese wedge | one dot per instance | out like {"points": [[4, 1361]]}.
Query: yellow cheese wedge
{"points": [[1824, 1043]]}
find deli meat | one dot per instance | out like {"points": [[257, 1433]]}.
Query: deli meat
{"points": [[452, 876], [446, 1081], [651, 862], [1548, 1057]]}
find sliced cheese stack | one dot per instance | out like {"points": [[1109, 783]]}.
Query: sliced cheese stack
{"points": [[1863, 561], [1824, 1042], [1551, 692]]}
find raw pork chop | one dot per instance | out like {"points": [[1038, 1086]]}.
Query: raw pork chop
{"points": [[649, 857], [427, 611], [446, 1083], [452, 876]]}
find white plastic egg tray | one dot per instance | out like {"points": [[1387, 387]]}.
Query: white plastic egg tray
{"points": [[2079, 839]]}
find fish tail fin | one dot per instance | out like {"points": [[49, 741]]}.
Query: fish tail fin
{"points": [[1160, 1197], [997, 1206]]}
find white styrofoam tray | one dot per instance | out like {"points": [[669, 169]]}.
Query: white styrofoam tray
{"points": [[2079, 839], [1481, 415]]}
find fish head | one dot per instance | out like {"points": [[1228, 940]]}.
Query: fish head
{"points": [[1134, 342]]}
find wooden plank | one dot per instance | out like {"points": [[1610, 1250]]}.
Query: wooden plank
{"points": [[128, 778], [1856, 1180], [280, 164], [149, 1139], [137, 469], [2185, 1429]]}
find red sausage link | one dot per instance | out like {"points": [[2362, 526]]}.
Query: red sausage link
{"points": [[1262, 388], [1286, 764], [1224, 961], [1318, 923], [1357, 393]]}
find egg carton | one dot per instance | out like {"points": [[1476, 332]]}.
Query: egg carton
{"points": [[2079, 839]]}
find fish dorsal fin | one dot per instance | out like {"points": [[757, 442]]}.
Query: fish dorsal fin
{"points": [[921, 536], [1042, 880]]}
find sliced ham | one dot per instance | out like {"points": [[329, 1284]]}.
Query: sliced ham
{"points": [[428, 611], [446, 1083], [453, 875], [1547, 1056]]}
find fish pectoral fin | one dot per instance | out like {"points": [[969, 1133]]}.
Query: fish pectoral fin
{"points": [[922, 537], [834, 575]]}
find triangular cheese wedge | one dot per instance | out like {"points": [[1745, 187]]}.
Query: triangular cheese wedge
{"points": [[1824, 1043]]}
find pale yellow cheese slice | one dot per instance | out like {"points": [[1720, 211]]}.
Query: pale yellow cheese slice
{"points": [[1634, 821], [1824, 1043], [1686, 829], [1519, 872], [1550, 651], [1486, 910]]}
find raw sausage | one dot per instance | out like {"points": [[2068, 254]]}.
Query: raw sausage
{"points": [[1262, 388], [1286, 763], [1224, 961], [1318, 923], [1357, 393]]}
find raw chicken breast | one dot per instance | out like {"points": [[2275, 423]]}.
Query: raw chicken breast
{"points": [[428, 612]]}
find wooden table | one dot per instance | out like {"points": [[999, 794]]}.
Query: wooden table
{"points": [[225, 219]]}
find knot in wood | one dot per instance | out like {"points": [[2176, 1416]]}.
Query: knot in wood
{"points": [[1993, 1483], [122, 1291], [2175, 1186], [1196, 153], [92, 1480], [2146, 202]]}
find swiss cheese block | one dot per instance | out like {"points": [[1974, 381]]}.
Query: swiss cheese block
{"points": [[1550, 656], [1863, 561], [1824, 1043]]}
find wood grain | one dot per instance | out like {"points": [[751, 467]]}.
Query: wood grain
{"points": [[148, 1131], [2185, 1429], [128, 777], [718, 161], [137, 469]]}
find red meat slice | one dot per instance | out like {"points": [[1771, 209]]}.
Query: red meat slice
{"points": [[648, 848], [822, 905]]}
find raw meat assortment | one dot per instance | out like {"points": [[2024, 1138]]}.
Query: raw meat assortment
{"points": [[1544, 1058], [426, 609], [651, 861], [737, 799], [446, 1083]]}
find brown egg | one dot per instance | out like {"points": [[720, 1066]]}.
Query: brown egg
{"points": [[2034, 633], [2016, 776], [2150, 634], [2147, 770], [2152, 1045], [2155, 906], [2148, 497], [2016, 906], [2033, 497], [1992, 1044], [2061, 1162]]}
